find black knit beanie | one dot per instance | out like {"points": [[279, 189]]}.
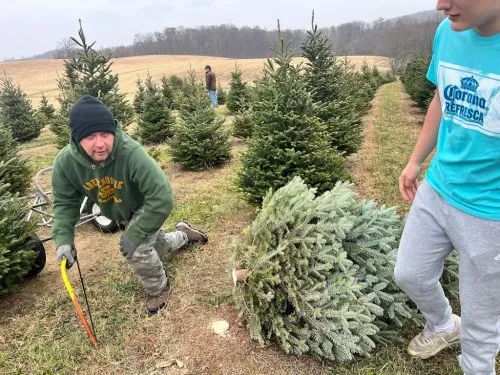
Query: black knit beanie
{"points": [[89, 115]]}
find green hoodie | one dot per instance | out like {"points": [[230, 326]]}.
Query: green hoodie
{"points": [[127, 180]]}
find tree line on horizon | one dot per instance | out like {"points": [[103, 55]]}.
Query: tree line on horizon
{"points": [[399, 40]]}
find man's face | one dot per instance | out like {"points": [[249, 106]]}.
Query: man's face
{"points": [[207, 70], [98, 145], [482, 15]]}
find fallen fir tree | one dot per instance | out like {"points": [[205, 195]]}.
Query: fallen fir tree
{"points": [[318, 273]]}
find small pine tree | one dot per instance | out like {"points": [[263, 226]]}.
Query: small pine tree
{"points": [[288, 139], [155, 120], [59, 126], [190, 98], [150, 87], [176, 83], [320, 273], [89, 73], [46, 108], [16, 111], [415, 82], [139, 96], [44, 113], [221, 95], [326, 79], [200, 140], [15, 172], [368, 79], [16, 256], [243, 124], [167, 91], [238, 97]]}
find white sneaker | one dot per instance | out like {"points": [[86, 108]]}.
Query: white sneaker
{"points": [[428, 343]]}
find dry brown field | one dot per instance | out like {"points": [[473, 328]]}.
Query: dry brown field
{"points": [[35, 76]]}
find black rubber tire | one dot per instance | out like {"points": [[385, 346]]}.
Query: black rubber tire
{"points": [[37, 245], [101, 222]]}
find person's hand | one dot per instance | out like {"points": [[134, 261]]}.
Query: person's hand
{"points": [[68, 252], [408, 181], [126, 247]]}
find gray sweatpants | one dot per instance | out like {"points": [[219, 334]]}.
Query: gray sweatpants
{"points": [[433, 229], [146, 259]]}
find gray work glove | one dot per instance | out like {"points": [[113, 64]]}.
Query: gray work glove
{"points": [[68, 252], [126, 247]]}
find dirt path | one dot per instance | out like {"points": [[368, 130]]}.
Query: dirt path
{"points": [[409, 118]]}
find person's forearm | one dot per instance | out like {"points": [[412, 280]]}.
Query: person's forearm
{"points": [[428, 136]]}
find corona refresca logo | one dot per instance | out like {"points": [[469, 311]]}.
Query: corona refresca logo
{"points": [[464, 101]]}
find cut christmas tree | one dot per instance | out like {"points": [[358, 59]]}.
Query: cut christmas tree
{"points": [[315, 273]]}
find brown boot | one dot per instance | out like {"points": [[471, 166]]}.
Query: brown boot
{"points": [[193, 235], [155, 304]]}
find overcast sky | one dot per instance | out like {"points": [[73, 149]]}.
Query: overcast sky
{"points": [[32, 27]]}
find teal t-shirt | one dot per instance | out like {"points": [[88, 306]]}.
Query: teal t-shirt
{"points": [[465, 170]]}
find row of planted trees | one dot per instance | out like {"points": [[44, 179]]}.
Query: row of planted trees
{"points": [[303, 120], [415, 81]]}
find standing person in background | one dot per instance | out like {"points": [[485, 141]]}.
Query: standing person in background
{"points": [[457, 206], [106, 165], [211, 84]]}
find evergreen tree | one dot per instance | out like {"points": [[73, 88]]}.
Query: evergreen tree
{"points": [[155, 120], [15, 172], [415, 82], [243, 124], [200, 140], [221, 95], [167, 91], [288, 139], [46, 108], [328, 82], [59, 126], [16, 111], [44, 113], [139, 96], [190, 98], [238, 97], [16, 255], [369, 83], [320, 273], [176, 83], [150, 87], [89, 73]]}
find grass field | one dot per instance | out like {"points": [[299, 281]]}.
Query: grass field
{"points": [[36, 75], [40, 334]]}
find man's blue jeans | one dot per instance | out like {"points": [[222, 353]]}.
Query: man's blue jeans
{"points": [[212, 94]]}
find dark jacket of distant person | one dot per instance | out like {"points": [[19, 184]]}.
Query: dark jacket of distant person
{"points": [[210, 80]]}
